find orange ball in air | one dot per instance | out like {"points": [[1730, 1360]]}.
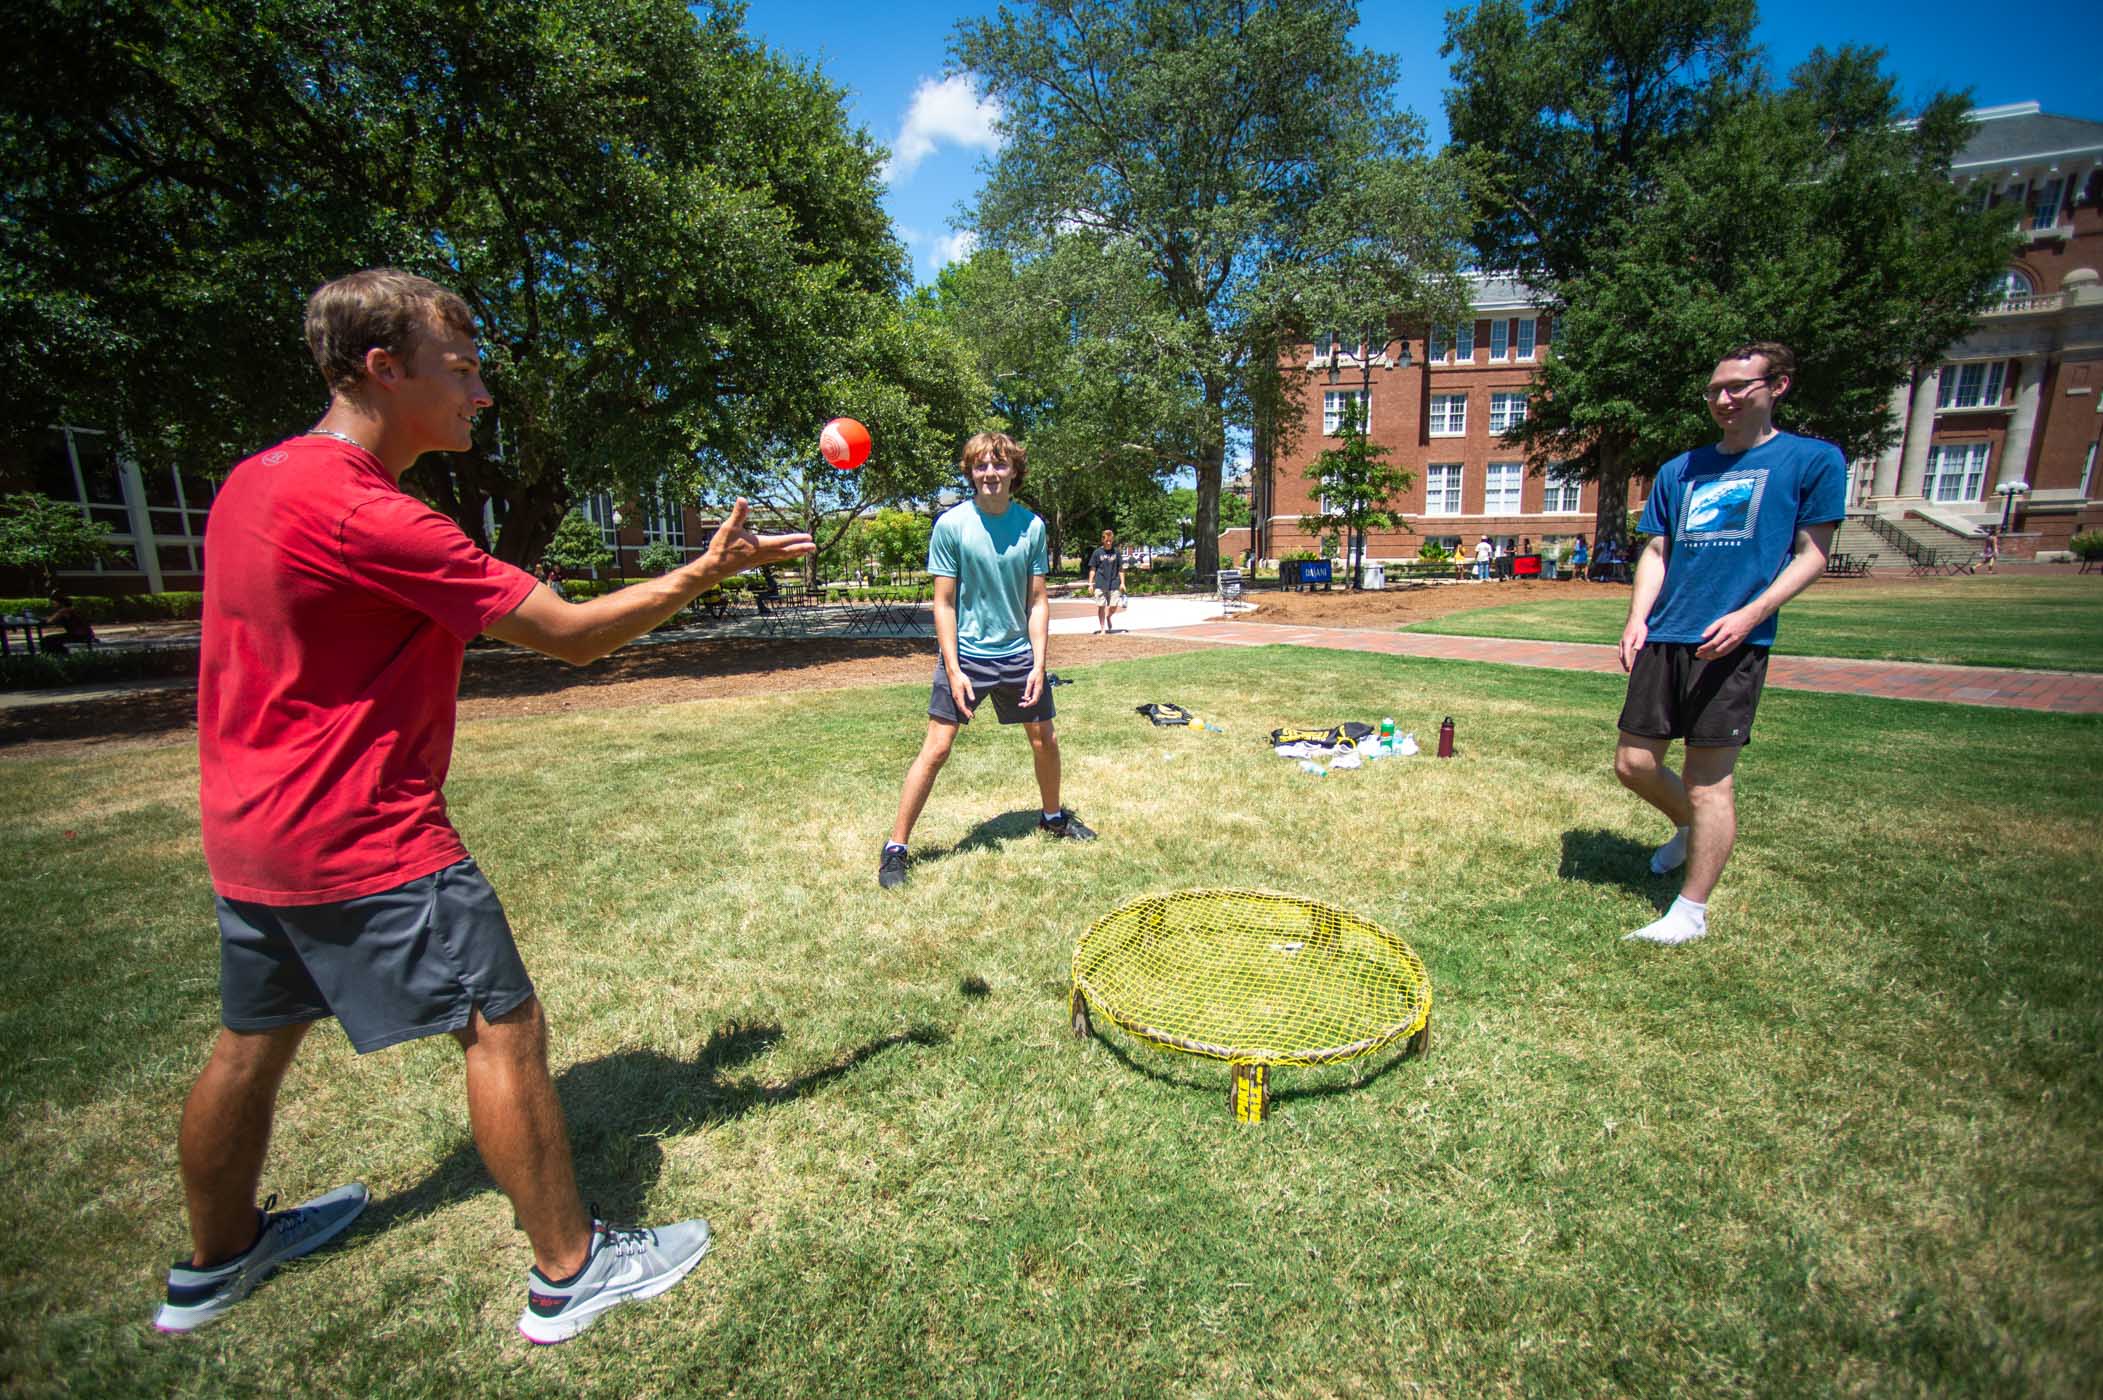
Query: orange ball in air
{"points": [[845, 443]]}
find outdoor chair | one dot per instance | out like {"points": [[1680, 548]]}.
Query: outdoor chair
{"points": [[1230, 587]]}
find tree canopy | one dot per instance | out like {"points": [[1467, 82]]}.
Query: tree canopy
{"points": [[1812, 216], [1246, 159], [1666, 206], [670, 236]]}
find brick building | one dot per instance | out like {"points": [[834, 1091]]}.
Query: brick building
{"points": [[1439, 399], [2017, 403]]}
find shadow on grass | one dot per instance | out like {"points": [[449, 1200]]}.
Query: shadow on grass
{"points": [[1288, 1082], [621, 1107], [1600, 857], [988, 835]]}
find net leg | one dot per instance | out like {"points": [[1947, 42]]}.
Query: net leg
{"points": [[1083, 1029], [1420, 1043], [1251, 1094]]}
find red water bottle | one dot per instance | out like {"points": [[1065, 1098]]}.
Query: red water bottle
{"points": [[1446, 738]]}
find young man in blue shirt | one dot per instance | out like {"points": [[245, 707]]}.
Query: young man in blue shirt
{"points": [[1737, 530], [993, 626]]}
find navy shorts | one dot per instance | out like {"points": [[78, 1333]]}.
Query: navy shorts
{"points": [[1002, 679], [1674, 694], [411, 961]]}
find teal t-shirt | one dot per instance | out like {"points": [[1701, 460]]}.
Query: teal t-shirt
{"points": [[992, 558]]}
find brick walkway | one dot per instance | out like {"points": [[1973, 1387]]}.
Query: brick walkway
{"points": [[2061, 692]]}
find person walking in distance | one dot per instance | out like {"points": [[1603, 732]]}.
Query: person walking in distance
{"points": [[1737, 529]]}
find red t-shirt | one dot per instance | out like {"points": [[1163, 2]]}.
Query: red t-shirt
{"points": [[336, 611]]}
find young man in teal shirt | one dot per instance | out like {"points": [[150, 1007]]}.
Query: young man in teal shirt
{"points": [[993, 624]]}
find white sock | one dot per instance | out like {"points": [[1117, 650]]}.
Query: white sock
{"points": [[1054, 816], [1684, 922], [1672, 855]]}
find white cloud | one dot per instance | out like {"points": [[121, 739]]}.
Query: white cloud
{"points": [[949, 112], [955, 248]]}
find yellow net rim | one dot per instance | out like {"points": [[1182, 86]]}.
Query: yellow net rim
{"points": [[1381, 967]]}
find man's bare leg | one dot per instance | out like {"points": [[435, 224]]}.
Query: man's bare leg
{"points": [[226, 1134], [1639, 763], [1712, 804], [519, 1130], [1044, 757], [920, 778]]}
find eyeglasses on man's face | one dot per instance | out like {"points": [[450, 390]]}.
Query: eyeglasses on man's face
{"points": [[1736, 389]]}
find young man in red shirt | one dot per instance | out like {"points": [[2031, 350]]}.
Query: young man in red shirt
{"points": [[337, 609]]}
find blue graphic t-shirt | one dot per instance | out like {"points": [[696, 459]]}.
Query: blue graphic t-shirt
{"points": [[992, 558], [1731, 521]]}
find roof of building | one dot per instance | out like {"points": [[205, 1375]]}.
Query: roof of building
{"points": [[1500, 292], [2020, 134]]}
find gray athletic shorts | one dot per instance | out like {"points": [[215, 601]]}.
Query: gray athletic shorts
{"points": [[1002, 679], [407, 962]]}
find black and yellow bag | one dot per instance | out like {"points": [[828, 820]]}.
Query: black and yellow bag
{"points": [[1163, 714]]}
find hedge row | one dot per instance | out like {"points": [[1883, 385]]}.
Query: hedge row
{"points": [[84, 665], [121, 607]]}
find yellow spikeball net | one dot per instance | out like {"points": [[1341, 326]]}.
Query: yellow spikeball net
{"points": [[1254, 979]]}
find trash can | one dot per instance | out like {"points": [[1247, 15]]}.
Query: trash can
{"points": [[1374, 574]]}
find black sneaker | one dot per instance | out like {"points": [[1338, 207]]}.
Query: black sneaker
{"points": [[890, 871], [1066, 827]]}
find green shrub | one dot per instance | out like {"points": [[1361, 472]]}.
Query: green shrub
{"points": [[84, 665], [122, 607], [2088, 546]]}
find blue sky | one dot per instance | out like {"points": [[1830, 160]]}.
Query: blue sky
{"points": [[891, 57]]}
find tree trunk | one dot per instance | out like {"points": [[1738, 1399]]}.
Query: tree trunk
{"points": [[1610, 521], [1212, 452]]}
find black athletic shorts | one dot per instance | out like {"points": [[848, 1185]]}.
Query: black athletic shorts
{"points": [[407, 962], [1674, 694], [1002, 679]]}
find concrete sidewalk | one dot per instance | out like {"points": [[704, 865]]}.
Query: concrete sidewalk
{"points": [[2060, 692]]}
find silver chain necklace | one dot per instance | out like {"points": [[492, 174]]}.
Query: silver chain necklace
{"points": [[340, 437]]}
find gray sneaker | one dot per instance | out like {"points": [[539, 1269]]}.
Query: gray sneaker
{"points": [[1066, 828], [197, 1296], [890, 870], [625, 1264]]}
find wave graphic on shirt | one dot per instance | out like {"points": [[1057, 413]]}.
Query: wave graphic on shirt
{"points": [[1725, 507]]}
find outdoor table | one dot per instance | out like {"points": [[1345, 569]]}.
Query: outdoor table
{"points": [[29, 625]]}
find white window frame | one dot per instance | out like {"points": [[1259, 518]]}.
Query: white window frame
{"points": [[2045, 216], [2015, 285], [1500, 340], [1971, 384], [664, 522], [1452, 344], [1447, 420], [1507, 411], [1333, 414], [1956, 472], [1563, 496], [1525, 342], [1504, 488], [1442, 487]]}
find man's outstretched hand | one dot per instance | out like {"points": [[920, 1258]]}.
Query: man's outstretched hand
{"points": [[735, 547]]}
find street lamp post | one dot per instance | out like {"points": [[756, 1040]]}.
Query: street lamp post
{"points": [[2009, 491], [617, 543]]}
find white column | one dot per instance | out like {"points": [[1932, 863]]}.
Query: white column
{"points": [[141, 522], [2015, 448], [1920, 426], [1885, 480]]}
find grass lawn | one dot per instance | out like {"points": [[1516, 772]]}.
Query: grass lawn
{"points": [[1849, 1143], [2050, 622]]}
